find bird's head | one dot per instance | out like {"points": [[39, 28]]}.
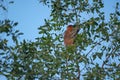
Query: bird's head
{"points": [[70, 27]]}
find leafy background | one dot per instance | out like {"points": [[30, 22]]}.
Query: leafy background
{"points": [[95, 55]]}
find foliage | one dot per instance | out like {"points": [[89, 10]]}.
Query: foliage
{"points": [[95, 55]]}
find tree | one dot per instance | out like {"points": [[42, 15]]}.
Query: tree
{"points": [[95, 55]]}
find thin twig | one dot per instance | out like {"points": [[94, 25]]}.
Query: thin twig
{"points": [[93, 48], [78, 71], [104, 62]]}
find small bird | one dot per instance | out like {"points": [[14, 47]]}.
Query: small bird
{"points": [[70, 34]]}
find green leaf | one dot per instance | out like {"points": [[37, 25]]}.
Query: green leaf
{"points": [[20, 33], [11, 2], [94, 56]]}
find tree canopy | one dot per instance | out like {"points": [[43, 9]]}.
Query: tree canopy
{"points": [[95, 56]]}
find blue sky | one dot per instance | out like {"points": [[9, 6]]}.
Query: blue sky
{"points": [[30, 14]]}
